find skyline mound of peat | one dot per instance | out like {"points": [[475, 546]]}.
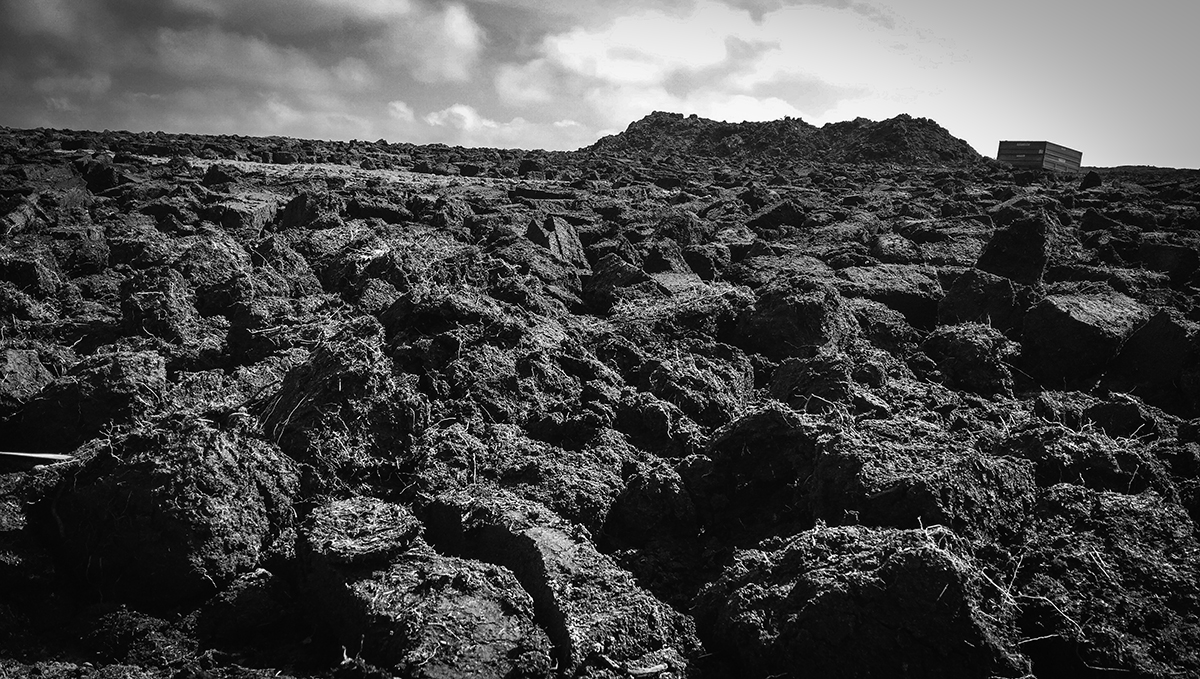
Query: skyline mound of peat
{"points": [[902, 139]]}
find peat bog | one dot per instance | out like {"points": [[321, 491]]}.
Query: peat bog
{"points": [[700, 400]]}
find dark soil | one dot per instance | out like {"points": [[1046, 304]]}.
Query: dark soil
{"points": [[699, 400]]}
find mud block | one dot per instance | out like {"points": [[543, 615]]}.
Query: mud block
{"points": [[579, 484], [885, 327], [592, 609], [254, 605], [859, 602], [373, 584], [346, 387], [361, 532], [561, 238], [913, 290], [217, 268], [978, 296], [610, 274], [427, 615], [1176, 260], [1070, 338], [662, 255], [21, 376], [32, 271], [450, 213], [221, 173], [137, 241], [1087, 458], [1018, 251], [166, 514], [786, 213], [654, 504], [619, 245], [1109, 580], [761, 266], [708, 260], [974, 357], [814, 385], [692, 313], [905, 473], [321, 210], [132, 638], [710, 382], [160, 302], [99, 392], [1161, 363], [377, 207], [26, 566], [892, 248], [248, 214], [750, 479], [1126, 416], [657, 425], [273, 258], [686, 228], [796, 318], [24, 216]]}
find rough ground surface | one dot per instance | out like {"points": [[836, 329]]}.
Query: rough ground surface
{"points": [[700, 400]]}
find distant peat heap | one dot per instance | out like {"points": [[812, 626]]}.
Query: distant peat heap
{"points": [[902, 140]]}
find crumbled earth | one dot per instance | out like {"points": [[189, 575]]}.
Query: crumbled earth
{"points": [[700, 400]]}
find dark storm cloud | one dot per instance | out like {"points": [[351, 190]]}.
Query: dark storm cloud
{"points": [[320, 65]]}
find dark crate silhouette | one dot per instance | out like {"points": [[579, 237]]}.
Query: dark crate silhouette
{"points": [[1040, 154]]}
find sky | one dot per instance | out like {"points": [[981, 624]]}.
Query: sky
{"points": [[1110, 78]]}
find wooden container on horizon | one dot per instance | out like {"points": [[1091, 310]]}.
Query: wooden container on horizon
{"points": [[1040, 154]]}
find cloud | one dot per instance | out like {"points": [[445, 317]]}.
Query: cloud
{"points": [[817, 96], [270, 66], [401, 111], [371, 9], [742, 58], [229, 110], [276, 18], [432, 45], [837, 51], [52, 17], [454, 45], [62, 93], [90, 85], [462, 117], [326, 63], [355, 73], [535, 82], [647, 47], [462, 125], [758, 9], [703, 57], [739, 107], [210, 55]]}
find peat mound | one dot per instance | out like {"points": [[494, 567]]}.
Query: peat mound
{"points": [[903, 139]]}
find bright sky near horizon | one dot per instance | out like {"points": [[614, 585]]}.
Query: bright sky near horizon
{"points": [[1106, 77]]}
